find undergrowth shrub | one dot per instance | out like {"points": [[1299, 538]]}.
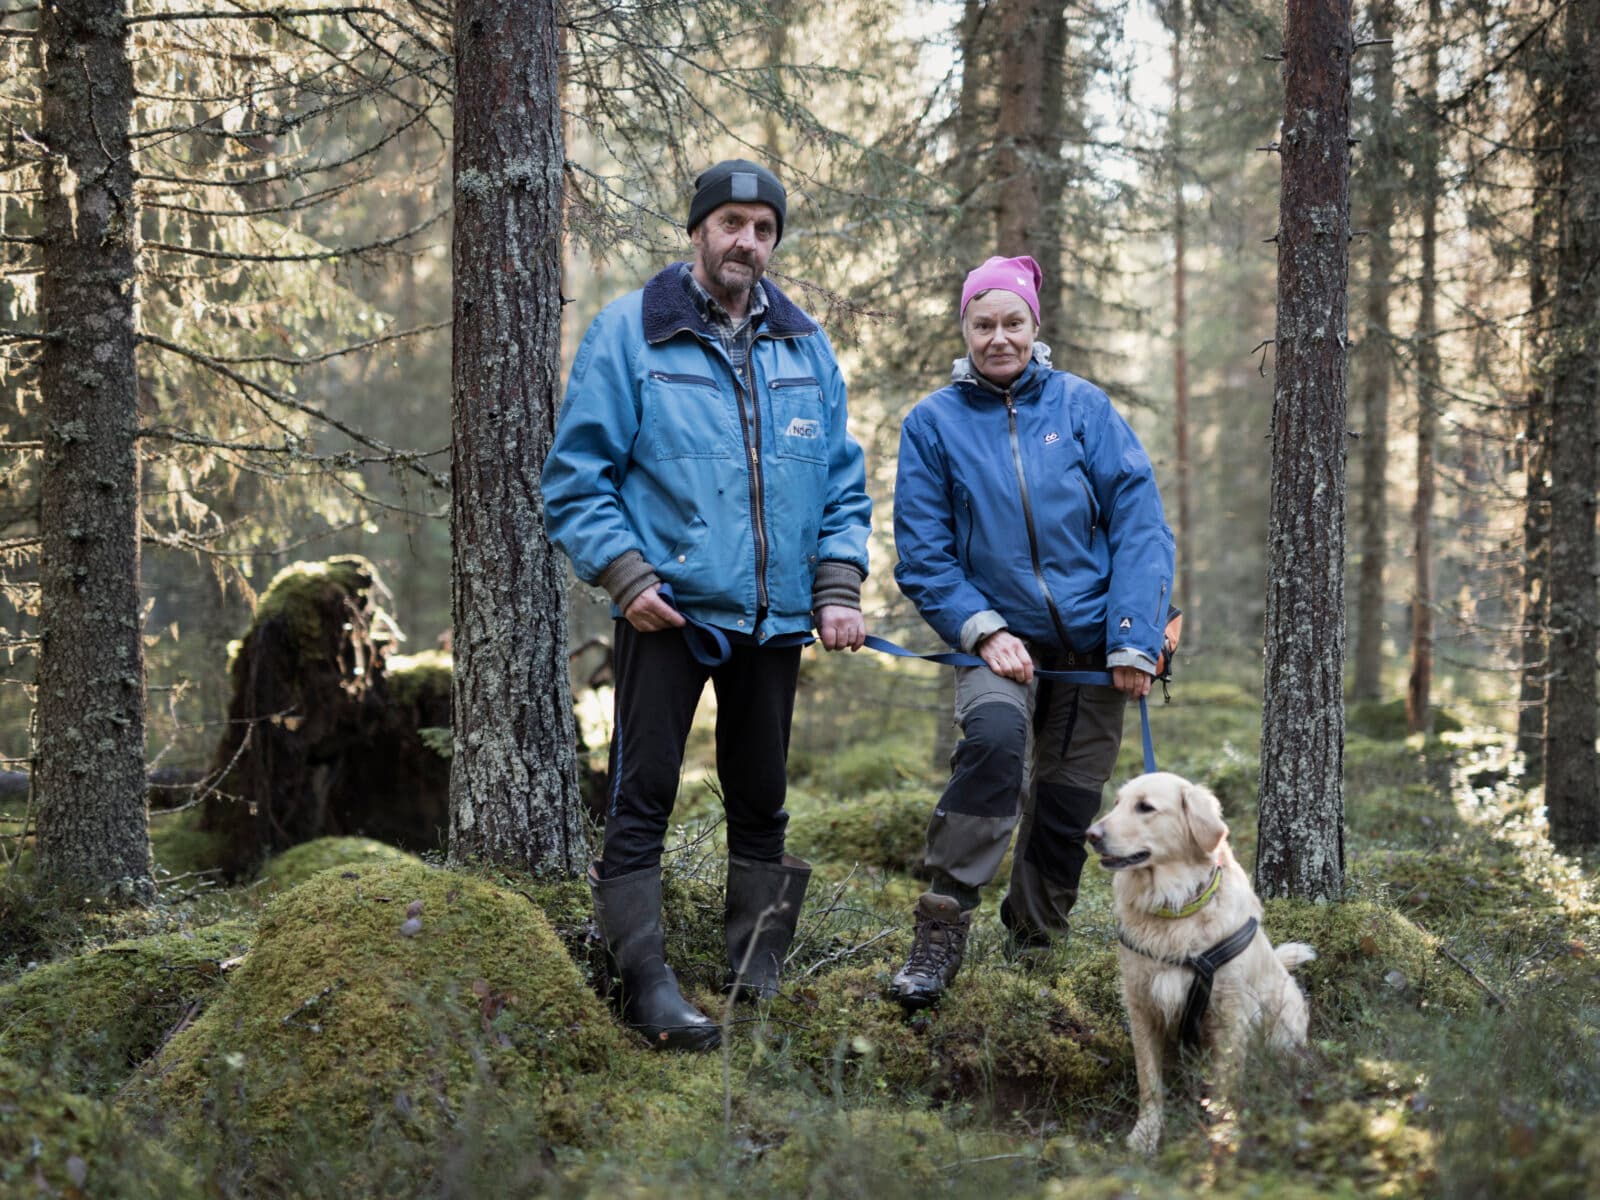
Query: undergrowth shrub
{"points": [[89, 1020]]}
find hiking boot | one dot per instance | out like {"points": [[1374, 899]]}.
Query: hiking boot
{"points": [[628, 911], [939, 941], [760, 913]]}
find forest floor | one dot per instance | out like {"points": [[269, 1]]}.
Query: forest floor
{"points": [[361, 1022]]}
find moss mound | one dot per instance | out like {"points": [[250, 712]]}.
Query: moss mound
{"points": [[882, 829], [89, 1020], [1368, 957], [54, 1143], [385, 997], [1001, 1036], [299, 863]]}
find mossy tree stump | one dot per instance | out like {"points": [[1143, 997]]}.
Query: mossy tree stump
{"points": [[323, 731]]}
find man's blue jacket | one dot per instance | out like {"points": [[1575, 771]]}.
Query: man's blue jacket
{"points": [[1033, 509], [656, 452]]}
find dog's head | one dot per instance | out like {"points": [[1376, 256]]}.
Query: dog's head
{"points": [[1159, 818]]}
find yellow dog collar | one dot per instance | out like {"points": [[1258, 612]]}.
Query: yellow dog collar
{"points": [[1199, 902]]}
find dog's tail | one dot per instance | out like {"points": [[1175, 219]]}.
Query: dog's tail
{"points": [[1294, 954]]}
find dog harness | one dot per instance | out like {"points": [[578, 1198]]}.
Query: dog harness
{"points": [[1205, 967]]}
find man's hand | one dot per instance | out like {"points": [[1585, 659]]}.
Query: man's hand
{"points": [[649, 613], [841, 628], [1131, 681], [1005, 655]]}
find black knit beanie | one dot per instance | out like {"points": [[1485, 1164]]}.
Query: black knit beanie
{"points": [[736, 181]]}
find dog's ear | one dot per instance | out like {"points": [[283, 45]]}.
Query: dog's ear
{"points": [[1204, 816]]}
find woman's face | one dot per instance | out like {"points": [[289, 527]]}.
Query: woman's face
{"points": [[999, 329]]}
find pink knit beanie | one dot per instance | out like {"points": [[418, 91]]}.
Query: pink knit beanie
{"points": [[1018, 275]]}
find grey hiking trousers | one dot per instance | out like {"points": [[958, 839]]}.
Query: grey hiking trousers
{"points": [[1037, 754]]}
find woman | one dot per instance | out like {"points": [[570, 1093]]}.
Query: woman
{"points": [[1030, 532]]}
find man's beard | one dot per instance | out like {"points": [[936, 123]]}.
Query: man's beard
{"points": [[735, 281]]}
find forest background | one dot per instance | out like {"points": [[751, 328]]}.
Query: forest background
{"points": [[294, 267]]}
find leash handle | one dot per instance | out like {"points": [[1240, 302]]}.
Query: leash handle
{"points": [[709, 646]]}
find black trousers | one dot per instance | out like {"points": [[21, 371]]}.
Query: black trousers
{"points": [[658, 685]]}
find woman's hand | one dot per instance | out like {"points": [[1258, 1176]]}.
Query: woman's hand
{"points": [[1007, 656], [1131, 681]]}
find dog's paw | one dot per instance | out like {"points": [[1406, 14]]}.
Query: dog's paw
{"points": [[1146, 1135]]}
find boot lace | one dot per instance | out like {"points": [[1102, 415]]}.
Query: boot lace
{"points": [[931, 946]]}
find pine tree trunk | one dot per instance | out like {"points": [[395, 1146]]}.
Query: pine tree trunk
{"points": [[779, 16], [1018, 194], [1535, 646], [1186, 598], [89, 776], [1049, 138], [513, 781], [1301, 846], [1374, 357], [967, 247], [1572, 774], [1419, 685]]}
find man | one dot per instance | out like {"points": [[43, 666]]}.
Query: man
{"points": [[702, 445]]}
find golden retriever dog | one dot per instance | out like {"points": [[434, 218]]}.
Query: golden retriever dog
{"points": [[1183, 905]]}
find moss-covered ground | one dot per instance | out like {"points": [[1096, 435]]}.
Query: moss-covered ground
{"points": [[356, 1022]]}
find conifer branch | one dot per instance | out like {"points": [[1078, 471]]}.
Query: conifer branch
{"points": [[399, 457], [356, 252]]}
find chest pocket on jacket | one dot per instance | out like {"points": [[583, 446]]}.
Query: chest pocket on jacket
{"points": [[687, 416], [799, 430]]}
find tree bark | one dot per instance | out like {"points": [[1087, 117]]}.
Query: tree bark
{"points": [[1186, 598], [93, 832], [969, 246], [1535, 646], [513, 782], [1572, 774], [1018, 196], [1301, 847], [1374, 357], [1419, 685]]}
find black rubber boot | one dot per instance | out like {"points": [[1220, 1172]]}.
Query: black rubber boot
{"points": [[761, 911], [628, 911], [937, 947]]}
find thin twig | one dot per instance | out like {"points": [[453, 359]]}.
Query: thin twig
{"points": [[1499, 1001]]}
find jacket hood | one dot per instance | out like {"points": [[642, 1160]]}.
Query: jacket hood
{"points": [[668, 309], [1032, 377]]}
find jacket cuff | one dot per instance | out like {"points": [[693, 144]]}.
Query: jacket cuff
{"points": [[979, 626], [1129, 657], [626, 577], [837, 583]]}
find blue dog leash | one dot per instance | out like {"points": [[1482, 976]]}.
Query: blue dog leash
{"points": [[710, 648], [952, 658]]}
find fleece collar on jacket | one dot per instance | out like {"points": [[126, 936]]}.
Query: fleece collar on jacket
{"points": [[669, 309], [1024, 387]]}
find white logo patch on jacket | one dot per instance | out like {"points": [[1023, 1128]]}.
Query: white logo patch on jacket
{"points": [[801, 428]]}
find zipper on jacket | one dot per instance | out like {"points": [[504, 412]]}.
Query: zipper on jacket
{"points": [[966, 500], [1093, 519], [798, 381], [1027, 520], [750, 426], [672, 377]]}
